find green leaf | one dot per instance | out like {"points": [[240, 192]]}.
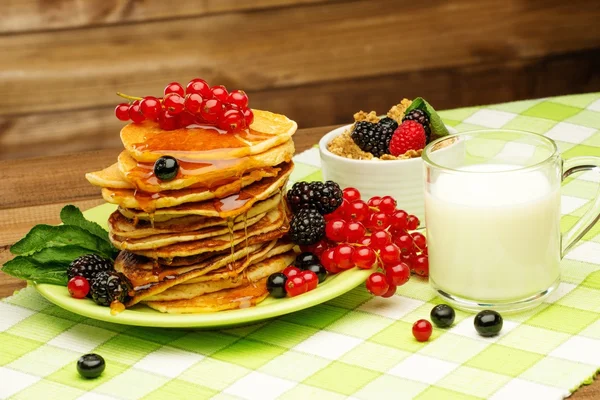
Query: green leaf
{"points": [[44, 236], [438, 128], [27, 269], [58, 255], [71, 215]]}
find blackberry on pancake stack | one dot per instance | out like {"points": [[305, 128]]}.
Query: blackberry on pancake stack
{"points": [[201, 218]]}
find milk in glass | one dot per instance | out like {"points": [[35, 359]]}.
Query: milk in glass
{"points": [[493, 236]]}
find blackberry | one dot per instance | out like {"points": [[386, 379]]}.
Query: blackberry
{"points": [[109, 286], [88, 266], [307, 227], [323, 197], [387, 121], [420, 117], [373, 138]]}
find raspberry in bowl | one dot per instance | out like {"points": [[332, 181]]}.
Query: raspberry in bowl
{"points": [[381, 155]]}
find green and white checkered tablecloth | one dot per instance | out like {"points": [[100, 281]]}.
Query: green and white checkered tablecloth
{"points": [[355, 346]]}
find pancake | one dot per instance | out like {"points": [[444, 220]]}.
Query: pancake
{"points": [[241, 297], [109, 177], [260, 269], [146, 142], [231, 206], [121, 226], [149, 277], [273, 221], [127, 197], [206, 174], [165, 239]]}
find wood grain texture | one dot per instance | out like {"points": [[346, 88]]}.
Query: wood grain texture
{"points": [[20, 210], [285, 47], [64, 132], [43, 15]]}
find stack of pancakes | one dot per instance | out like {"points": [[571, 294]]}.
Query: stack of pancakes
{"points": [[207, 239]]}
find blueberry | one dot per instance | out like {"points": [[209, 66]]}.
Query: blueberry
{"points": [[90, 365], [442, 315], [488, 323], [276, 285], [166, 168], [306, 259], [319, 270]]}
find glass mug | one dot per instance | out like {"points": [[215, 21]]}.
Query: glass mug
{"points": [[492, 212]]}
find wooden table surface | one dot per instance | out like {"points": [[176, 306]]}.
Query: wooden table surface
{"points": [[32, 191]]}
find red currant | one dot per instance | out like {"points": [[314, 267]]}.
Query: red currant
{"points": [[239, 98], [193, 103], [358, 211], [342, 256], [295, 286], [420, 265], [211, 109], [407, 259], [311, 279], [338, 213], [387, 205], [351, 194], [328, 262], [398, 220], [405, 243], [336, 230], [78, 287], [135, 102], [135, 114], [122, 112], [419, 240], [174, 103], [174, 87], [378, 220], [354, 231], [380, 239], [422, 330], [150, 107], [413, 222], [397, 274], [390, 254], [365, 241], [232, 121], [219, 92], [317, 249], [391, 291], [376, 284], [199, 86], [186, 119], [364, 257], [374, 201], [168, 121], [248, 116], [291, 271]]}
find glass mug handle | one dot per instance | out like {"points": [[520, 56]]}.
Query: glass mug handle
{"points": [[587, 221]]}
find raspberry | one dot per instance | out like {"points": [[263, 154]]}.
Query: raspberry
{"points": [[409, 136], [420, 117], [372, 138], [307, 227], [324, 197]]}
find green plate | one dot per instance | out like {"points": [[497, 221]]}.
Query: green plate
{"points": [[140, 315]]}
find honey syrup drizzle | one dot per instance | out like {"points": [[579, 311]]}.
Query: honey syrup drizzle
{"points": [[230, 224]]}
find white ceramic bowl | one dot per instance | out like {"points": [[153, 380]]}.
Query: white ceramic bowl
{"points": [[401, 179]]}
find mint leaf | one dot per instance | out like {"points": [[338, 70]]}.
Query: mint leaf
{"points": [[58, 255], [71, 215], [27, 269], [437, 125], [44, 236]]}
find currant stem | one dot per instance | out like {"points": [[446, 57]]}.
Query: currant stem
{"points": [[128, 97]]}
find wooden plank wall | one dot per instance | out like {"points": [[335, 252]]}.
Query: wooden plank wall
{"points": [[317, 61]]}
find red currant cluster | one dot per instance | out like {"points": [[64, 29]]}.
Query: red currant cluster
{"points": [[299, 281], [369, 234], [198, 103]]}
